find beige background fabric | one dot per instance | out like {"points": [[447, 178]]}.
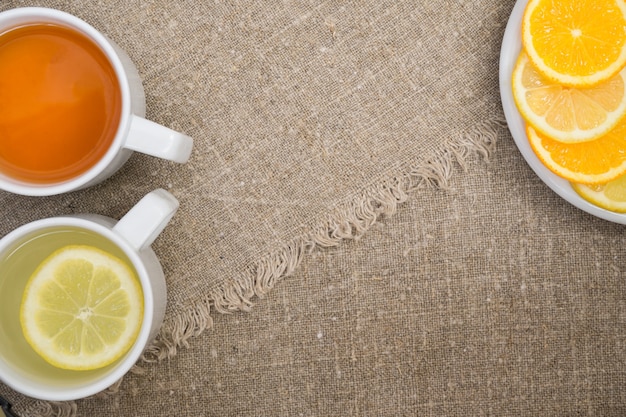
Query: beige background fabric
{"points": [[493, 297]]}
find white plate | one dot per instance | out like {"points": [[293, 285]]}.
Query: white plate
{"points": [[511, 47]]}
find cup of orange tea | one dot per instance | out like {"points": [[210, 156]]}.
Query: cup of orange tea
{"points": [[72, 106], [80, 298]]}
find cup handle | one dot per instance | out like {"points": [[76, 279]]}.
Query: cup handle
{"points": [[153, 139], [147, 219]]}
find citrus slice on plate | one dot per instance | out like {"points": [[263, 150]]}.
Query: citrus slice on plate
{"points": [[567, 114], [576, 42], [610, 196], [82, 308], [593, 162]]}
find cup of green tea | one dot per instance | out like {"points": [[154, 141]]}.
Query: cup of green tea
{"points": [[81, 296], [72, 106]]}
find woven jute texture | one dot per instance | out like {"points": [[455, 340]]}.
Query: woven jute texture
{"points": [[312, 121]]}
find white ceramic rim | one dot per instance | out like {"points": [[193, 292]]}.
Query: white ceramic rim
{"points": [[131, 357], [511, 47], [42, 15]]}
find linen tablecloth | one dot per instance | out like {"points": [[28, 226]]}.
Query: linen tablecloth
{"points": [[314, 123]]}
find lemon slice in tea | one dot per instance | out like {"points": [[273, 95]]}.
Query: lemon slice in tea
{"points": [[82, 308]]}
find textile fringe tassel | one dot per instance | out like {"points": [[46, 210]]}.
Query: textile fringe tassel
{"points": [[347, 222]]}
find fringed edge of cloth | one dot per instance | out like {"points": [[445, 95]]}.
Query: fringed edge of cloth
{"points": [[349, 221]]}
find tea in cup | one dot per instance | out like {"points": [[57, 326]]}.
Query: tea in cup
{"points": [[71, 286], [72, 106]]}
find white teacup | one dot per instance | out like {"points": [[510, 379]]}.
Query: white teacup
{"points": [[20, 366], [134, 132]]}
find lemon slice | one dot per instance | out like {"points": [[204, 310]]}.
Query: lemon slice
{"points": [[568, 114], [82, 308], [610, 196]]}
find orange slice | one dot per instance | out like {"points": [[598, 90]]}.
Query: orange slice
{"points": [[593, 162], [576, 42], [568, 114]]}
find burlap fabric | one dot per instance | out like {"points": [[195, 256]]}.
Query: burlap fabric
{"points": [[485, 295]]}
